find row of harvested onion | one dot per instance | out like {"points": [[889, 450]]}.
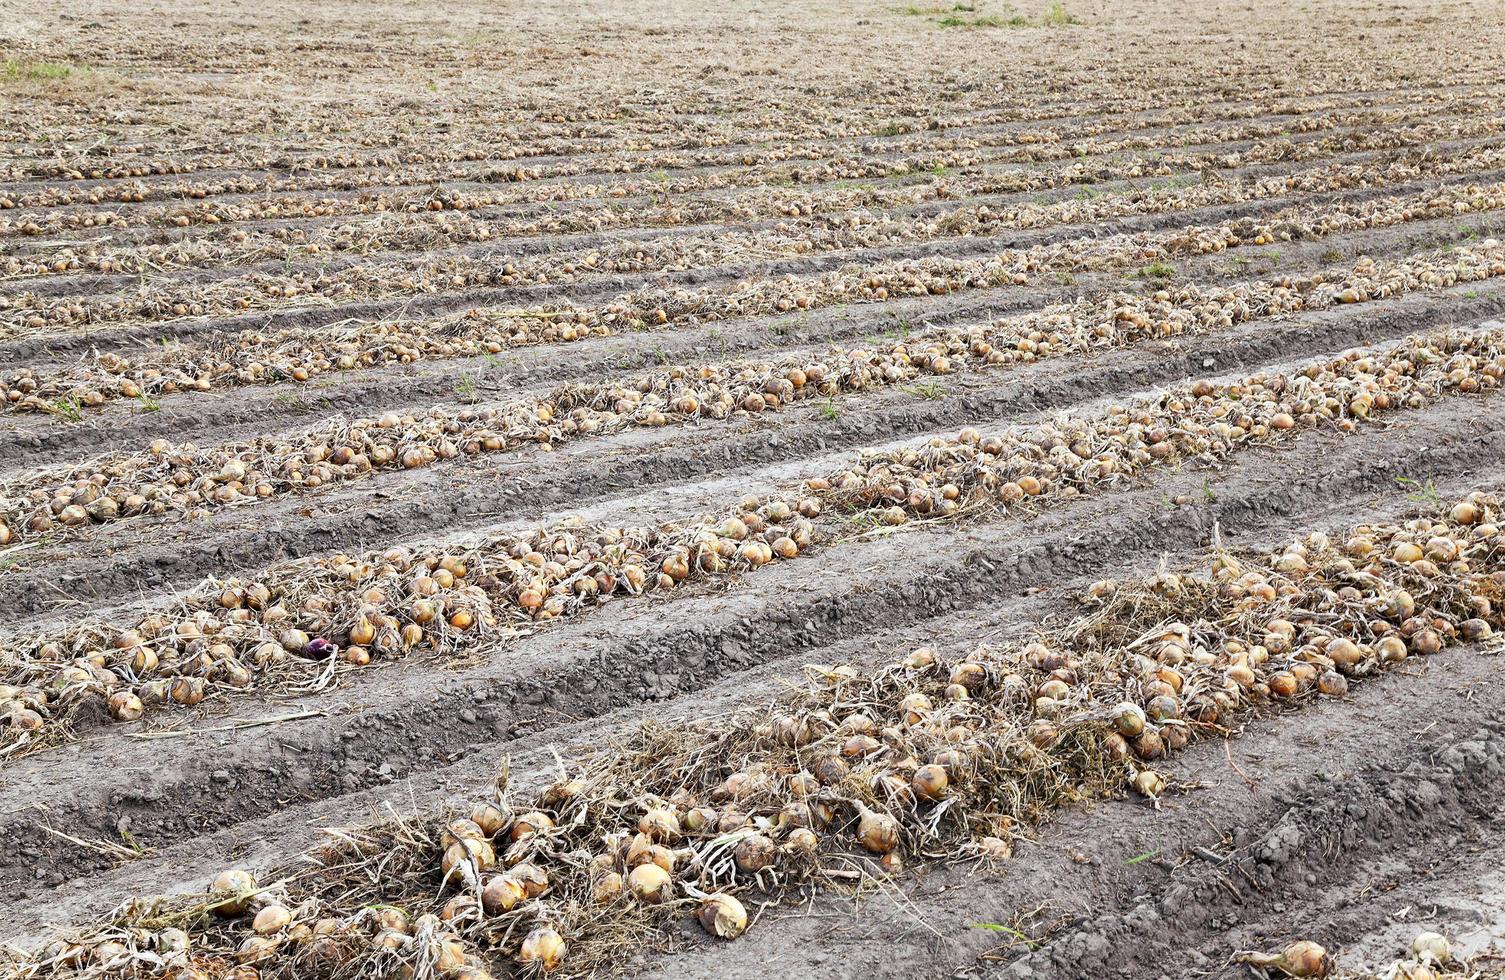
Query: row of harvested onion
{"points": [[932, 755], [314, 617], [827, 223], [293, 355], [187, 478], [1376, 127]]}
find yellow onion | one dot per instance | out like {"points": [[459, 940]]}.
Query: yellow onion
{"points": [[543, 948], [1149, 783], [754, 853], [1300, 959], [1431, 947], [501, 894], [930, 782], [650, 883], [272, 918], [723, 916], [125, 706], [1129, 719], [489, 818], [256, 949], [535, 880], [661, 824], [802, 841], [607, 888], [234, 889], [877, 832]]}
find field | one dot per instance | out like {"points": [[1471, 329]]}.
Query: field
{"points": [[723, 488]]}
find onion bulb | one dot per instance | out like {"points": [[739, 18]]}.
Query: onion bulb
{"points": [[754, 853], [661, 824], [723, 916], [1300, 959], [543, 948], [1149, 783], [501, 894], [234, 889], [930, 782], [272, 918], [650, 883], [877, 832], [1430, 947]]}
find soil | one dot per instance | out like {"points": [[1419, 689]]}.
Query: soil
{"points": [[735, 128]]}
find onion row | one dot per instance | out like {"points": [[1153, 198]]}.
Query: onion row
{"points": [[930, 756], [255, 358], [188, 478], [313, 618]]}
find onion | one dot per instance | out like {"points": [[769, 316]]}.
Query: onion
{"points": [[535, 880], [930, 782], [650, 883], [256, 949], [1129, 719], [501, 894], [1430, 947], [125, 706], [489, 818], [877, 832], [661, 824], [1300, 959], [234, 889], [272, 918], [802, 841], [607, 888], [1149, 783], [723, 916], [1332, 684], [754, 853], [544, 948]]}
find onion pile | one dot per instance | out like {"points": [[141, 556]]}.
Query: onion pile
{"points": [[187, 478], [310, 617], [931, 754]]}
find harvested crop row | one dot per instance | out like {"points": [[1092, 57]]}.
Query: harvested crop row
{"points": [[304, 621], [510, 145], [408, 201], [30, 312], [813, 228], [187, 478], [839, 160], [839, 780], [255, 358]]}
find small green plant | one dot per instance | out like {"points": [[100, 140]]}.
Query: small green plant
{"points": [[1056, 16], [829, 411], [1208, 493], [148, 403], [13, 70], [987, 20], [67, 408], [1018, 936], [1420, 491], [930, 391], [1155, 270], [465, 388], [891, 129], [1141, 858]]}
